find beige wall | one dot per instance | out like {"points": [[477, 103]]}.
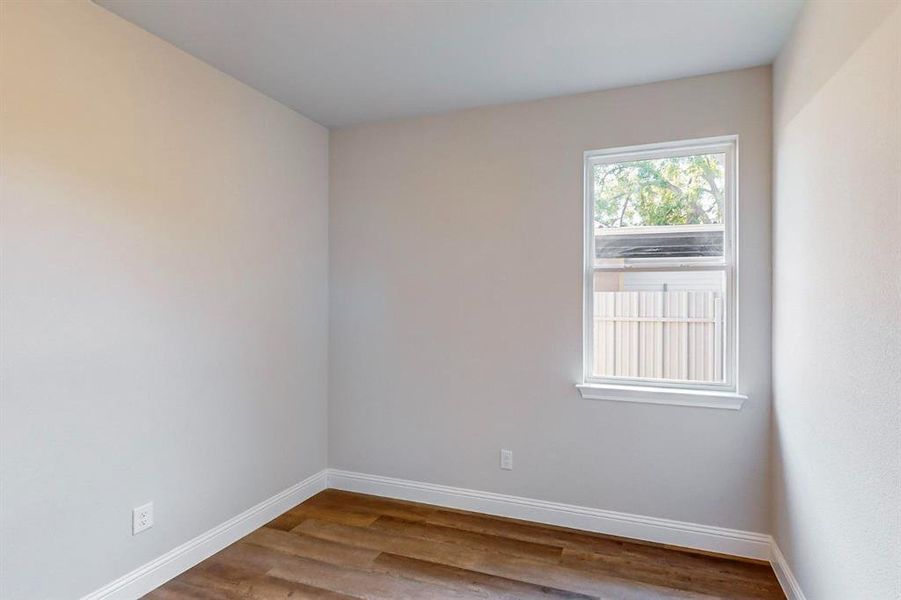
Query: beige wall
{"points": [[837, 301], [456, 294], [164, 303]]}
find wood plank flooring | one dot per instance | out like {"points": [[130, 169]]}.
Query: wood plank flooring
{"points": [[340, 545]]}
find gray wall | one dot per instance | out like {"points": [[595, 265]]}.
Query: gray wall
{"points": [[455, 284], [164, 301], [837, 301]]}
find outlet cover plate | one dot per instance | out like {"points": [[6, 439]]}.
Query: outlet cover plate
{"points": [[507, 460], [142, 518]]}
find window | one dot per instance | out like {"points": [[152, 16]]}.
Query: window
{"points": [[660, 274]]}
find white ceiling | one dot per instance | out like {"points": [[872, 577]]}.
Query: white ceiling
{"points": [[348, 61]]}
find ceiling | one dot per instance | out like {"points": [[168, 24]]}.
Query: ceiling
{"points": [[342, 62]]}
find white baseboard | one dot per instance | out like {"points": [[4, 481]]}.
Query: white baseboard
{"points": [[157, 572], [664, 531], [784, 574], [733, 542]]}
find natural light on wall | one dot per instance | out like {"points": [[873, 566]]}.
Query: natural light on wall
{"points": [[660, 262]]}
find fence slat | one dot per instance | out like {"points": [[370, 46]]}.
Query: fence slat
{"points": [[670, 335]]}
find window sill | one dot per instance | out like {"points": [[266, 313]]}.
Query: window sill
{"points": [[656, 395]]}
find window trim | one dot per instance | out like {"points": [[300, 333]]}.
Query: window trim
{"points": [[718, 395]]}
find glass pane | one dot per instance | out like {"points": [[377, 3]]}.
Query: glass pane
{"points": [[659, 208], [662, 325]]}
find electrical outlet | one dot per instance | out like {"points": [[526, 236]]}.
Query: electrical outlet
{"points": [[142, 518], [507, 460]]}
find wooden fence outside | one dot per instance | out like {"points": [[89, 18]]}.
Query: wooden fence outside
{"points": [[663, 335]]}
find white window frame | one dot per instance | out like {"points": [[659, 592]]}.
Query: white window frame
{"points": [[658, 391]]}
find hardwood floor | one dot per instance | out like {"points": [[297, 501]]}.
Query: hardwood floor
{"points": [[340, 545]]}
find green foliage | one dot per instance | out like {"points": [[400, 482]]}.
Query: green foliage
{"points": [[667, 191]]}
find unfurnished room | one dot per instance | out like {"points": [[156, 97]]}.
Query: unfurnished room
{"points": [[450, 299]]}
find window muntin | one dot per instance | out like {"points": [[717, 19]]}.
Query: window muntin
{"points": [[660, 276]]}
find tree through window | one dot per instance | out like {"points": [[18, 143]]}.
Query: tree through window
{"points": [[681, 190]]}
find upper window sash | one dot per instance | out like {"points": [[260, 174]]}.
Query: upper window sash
{"points": [[724, 145]]}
